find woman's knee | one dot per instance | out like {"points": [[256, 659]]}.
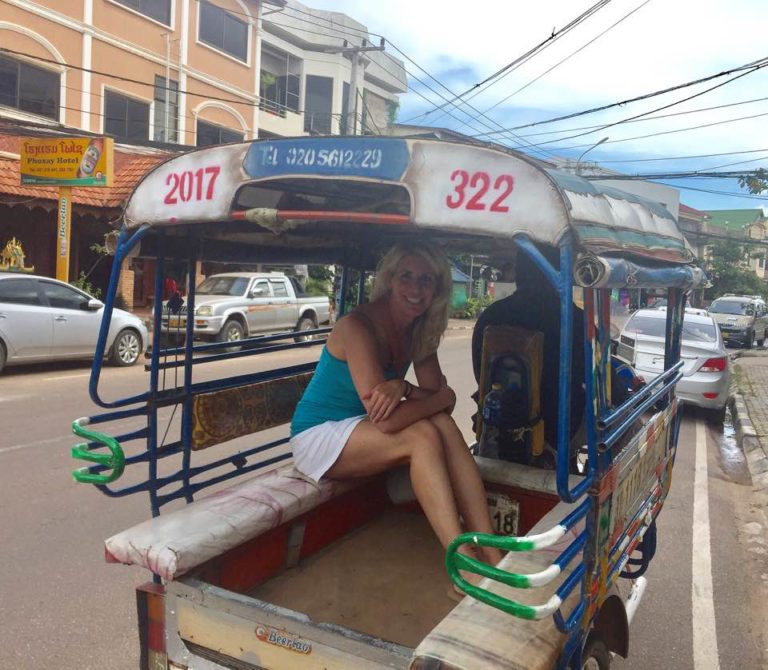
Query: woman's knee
{"points": [[443, 422], [423, 435]]}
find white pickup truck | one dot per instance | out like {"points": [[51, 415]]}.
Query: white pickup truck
{"points": [[234, 305]]}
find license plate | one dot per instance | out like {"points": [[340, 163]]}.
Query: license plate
{"points": [[505, 513], [176, 322]]}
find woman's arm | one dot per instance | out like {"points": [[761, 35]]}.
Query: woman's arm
{"points": [[359, 348], [431, 377]]}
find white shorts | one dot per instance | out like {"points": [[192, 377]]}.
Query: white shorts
{"points": [[316, 449]]}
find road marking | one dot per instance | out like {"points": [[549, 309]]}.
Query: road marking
{"points": [[53, 379], [705, 654], [16, 398], [39, 443]]}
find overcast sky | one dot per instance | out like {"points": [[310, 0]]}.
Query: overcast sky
{"points": [[625, 49]]}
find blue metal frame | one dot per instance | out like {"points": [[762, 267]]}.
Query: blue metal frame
{"points": [[604, 425]]}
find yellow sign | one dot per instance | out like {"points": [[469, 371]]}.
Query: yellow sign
{"points": [[67, 161]]}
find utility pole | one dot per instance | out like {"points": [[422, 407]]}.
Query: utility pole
{"points": [[167, 85], [355, 54]]}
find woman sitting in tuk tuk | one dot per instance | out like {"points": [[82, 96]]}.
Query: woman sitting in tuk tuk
{"points": [[359, 416]]}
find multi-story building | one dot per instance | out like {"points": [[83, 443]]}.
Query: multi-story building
{"points": [[322, 73], [165, 75], [742, 225]]}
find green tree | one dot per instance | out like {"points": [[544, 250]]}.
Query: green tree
{"points": [[755, 182], [727, 274]]}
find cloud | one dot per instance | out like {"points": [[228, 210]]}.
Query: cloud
{"points": [[661, 44]]}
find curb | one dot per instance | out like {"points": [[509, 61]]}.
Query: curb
{"points": [[749, 442]]}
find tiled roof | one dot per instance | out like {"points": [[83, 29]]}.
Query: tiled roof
{"points": [[684, 209], [129, 169], [734, 219]]}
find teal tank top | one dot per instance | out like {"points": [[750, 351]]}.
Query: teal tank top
{"points": [[330, 395]]}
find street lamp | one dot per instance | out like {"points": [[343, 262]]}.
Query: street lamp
{"points": [[578, 160]]}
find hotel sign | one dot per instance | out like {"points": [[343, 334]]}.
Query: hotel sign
{"points": [[67, 161]]}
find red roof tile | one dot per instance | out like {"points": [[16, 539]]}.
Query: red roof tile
{"points": [[691, 210]]}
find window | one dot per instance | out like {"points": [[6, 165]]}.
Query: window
{"points": [[160, 10], [280, 81], [223, 286], [345, 124], [19, 292], [29, 88], [260, 289], [223, 31], [209, 133], [63, 297], [279, 289], [317, 107], [125, 117], [171, 90]]}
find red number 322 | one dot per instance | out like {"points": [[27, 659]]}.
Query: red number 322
{"points": [[479, 183]]}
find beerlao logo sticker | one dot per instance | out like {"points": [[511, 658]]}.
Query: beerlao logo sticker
{"points": [[282, 639]]}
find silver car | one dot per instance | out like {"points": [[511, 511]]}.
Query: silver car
{"points": [[706, 366], [42, 319]]}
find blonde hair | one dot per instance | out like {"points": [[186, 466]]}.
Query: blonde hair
{"points": [[431, 325]]}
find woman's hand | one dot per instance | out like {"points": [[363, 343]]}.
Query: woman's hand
{"points": [[383, 398]]}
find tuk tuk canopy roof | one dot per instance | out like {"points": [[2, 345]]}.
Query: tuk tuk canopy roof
{"points": [[337, 184]]}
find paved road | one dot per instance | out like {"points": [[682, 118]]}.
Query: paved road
{"points": [[63, 608]]}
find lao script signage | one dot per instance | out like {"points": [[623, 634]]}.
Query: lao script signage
{"points": [[67, 161]]}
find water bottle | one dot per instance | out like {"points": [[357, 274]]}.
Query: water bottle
{"points": [[489, 440]]}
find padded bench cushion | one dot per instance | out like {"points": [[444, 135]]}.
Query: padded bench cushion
{"points": [[475, 636], [174, 543]]}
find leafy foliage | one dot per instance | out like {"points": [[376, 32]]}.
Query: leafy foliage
{"points": [[473, 308], [84, 285], [318, 287], [756, 182], [727, 273]]}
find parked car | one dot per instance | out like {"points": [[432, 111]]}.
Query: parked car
{"points": [[42, 319], [742, 319], [706, 366], [235, 305]]}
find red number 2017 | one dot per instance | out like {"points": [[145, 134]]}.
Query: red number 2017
{"points": [[189, 185], [481, 183]]}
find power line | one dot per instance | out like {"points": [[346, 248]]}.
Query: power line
{"points": [[521, 143], [514, 64], [667, 106], [651, 118], [680, 158], [559, 63], [248, 103], [723, 193], [757, 64], [669, 132]]}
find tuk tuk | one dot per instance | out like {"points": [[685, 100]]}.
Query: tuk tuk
{"points": [[253, 565]]}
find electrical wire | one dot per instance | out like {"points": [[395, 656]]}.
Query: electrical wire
{"points": [[569, 56], [517, 62], [520, 143], [667, 106], [651, 118], [669, 132], [757, 64]]}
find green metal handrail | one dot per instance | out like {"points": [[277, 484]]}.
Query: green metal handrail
{"points": [[115, 460]]}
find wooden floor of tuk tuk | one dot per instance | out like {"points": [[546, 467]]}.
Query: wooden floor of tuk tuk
{"points": [[386, 579]]}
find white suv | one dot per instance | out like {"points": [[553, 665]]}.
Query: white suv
{"points": [[743, 319]]}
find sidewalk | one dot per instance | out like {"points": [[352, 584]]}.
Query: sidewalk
{"points": [[749, 410]]}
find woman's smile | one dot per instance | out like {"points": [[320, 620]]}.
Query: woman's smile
{"points": [[414, 285]]}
